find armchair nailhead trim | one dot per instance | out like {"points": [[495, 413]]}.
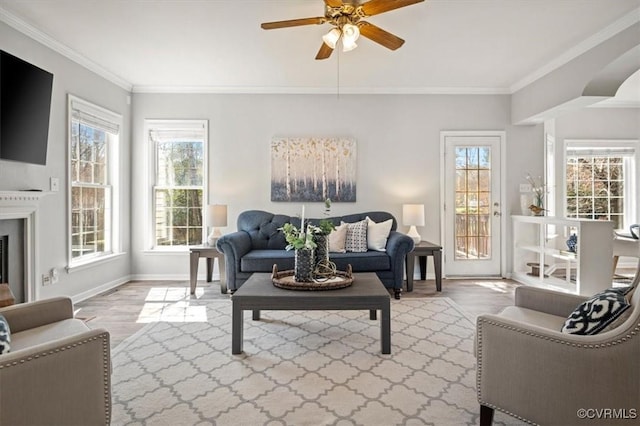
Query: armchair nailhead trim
{"points": [[618, 341], [105, 366]]}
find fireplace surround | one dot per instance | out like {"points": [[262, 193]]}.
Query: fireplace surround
{"points": [[24, 205]]}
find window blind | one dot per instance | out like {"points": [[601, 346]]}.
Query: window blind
{"points": [[95, 117]]}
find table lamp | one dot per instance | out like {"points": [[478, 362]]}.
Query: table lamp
{"points": [[412, 216], [216, 218]]}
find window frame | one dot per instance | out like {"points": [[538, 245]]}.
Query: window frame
{"points": [[112, 223], [631, 172], [151, 154]]}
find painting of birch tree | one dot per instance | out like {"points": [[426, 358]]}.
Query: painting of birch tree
{"points": [[313, 169]]}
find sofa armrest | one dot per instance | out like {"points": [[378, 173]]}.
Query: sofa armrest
{"points": [[24, 316], [547, 301], [233, 246], [398, 245], [66, 381]]}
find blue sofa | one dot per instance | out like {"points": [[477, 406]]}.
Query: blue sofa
{"points": [[259, 243]]}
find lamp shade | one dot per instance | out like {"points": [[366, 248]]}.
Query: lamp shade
{"points": [[331, 38], [413, 214], [217, 215]]}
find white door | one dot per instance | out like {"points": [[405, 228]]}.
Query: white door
{"points": [[472, 208]]}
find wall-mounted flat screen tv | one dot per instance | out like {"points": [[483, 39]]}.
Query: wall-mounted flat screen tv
{"points": [[25, 105]]}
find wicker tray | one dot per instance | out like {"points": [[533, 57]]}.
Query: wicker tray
{"points": [[285, 279]]}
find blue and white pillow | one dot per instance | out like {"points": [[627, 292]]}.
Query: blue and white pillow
{"points": [[5, 336], [356, 240], [602, 312]]}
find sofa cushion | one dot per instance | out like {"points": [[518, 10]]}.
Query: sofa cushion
{"points": [[602, 312], [529, 316], [370, 261], [263, 260], [47, 333], [357, 236], [5, 336]]}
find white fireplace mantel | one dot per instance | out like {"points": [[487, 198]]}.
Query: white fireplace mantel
{"points": [[24, 205]]}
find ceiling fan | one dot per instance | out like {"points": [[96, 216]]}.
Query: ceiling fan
{"points": [[346, 17]]}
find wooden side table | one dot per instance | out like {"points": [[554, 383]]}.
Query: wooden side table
{"points": [[210, 253], [421, 251]]}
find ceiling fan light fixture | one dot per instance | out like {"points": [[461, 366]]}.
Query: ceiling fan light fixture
{"points": [[348, 45], [350, 33], [332, 37]]}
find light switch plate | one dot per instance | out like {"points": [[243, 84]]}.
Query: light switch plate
{"points": [[525, 187], [54, 184]]}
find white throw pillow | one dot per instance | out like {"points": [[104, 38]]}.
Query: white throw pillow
{"points": [[377, 234], [356, 236], [338, 239]]}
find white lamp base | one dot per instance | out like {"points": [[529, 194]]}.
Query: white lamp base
{"points": [[413, 233], [215, 234]]}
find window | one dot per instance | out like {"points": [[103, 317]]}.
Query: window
{"points": [[601, 181], [93, 160], [179, 175]]}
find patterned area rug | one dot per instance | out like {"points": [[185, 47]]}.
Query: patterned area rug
{"points": [[301, 368]]}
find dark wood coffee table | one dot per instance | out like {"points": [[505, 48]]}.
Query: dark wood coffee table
{"points": [[259, 293]]}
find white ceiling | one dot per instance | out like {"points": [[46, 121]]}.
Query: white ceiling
{"points": [[452, 46]]}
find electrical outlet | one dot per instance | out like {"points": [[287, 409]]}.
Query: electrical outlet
{"points": [[525, 187], [54, 276], [46, 279], [54, 184]]}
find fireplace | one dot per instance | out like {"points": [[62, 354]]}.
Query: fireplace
{"points": [[18, 235]]}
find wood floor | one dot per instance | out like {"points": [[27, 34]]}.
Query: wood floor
{"points": [[126, 309]]}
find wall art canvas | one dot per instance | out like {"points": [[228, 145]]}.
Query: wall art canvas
{"points": [[313, 169]]}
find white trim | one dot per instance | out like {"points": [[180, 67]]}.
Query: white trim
{"points": [[45, 39], [503, 196], [24, 205], [150, 173], [631, 187], [95, 291], [601, 36], [215, 277], [81, 266], [309, 90], [113, 225]]}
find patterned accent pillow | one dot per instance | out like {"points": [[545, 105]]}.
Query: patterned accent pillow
{"points": [[356, 236], [602, 312], [5, 336]]}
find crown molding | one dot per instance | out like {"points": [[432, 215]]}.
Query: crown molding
{"points": [[43, 38], [288, 90], [601, 36]]}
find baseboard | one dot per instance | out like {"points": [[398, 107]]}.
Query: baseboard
{"points": [[170, 277], [100, 289]]}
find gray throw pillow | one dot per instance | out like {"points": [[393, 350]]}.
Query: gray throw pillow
{"points": [[356, 237]]}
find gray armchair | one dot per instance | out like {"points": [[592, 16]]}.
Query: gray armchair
{"points": [[527, 368], [58, 371]]}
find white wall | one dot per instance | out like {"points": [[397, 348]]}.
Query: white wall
{"points": [[398, 152], [69, 77]]}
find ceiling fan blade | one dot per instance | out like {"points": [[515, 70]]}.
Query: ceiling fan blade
{"points": [[380, 36], [324, 52], [375, 7], [333, 3], [293, 23]]}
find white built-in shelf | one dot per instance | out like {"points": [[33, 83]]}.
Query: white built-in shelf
{"points": [[541, 240]]}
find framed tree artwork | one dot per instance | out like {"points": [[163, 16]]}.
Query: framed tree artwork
{"points": [[313, 169]]}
